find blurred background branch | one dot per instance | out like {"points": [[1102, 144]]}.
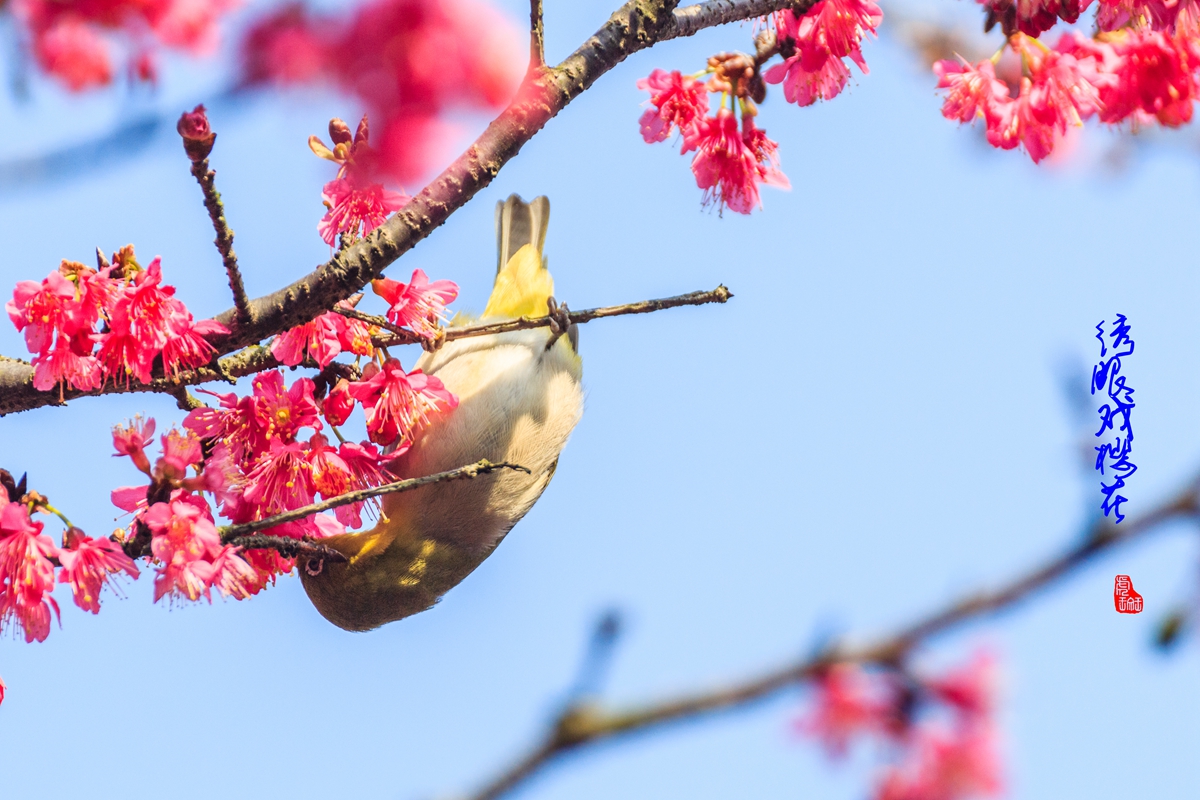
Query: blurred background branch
{"points": [[585, 721]]}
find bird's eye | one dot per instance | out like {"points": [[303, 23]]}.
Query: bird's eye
{"points": [[314, 566]]}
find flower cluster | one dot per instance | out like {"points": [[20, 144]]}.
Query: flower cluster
{"points": [[830, 32], [68, 39], [268, 454], [323, 340], [1140, 67], [409, 61], [31, 565], [1142, 76], [941, 728], [355, 204], [140, 320], [731, 164]]}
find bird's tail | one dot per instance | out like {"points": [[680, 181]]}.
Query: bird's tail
{"points": [[523, 284]]}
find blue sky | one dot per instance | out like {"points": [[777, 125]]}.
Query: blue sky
{"points": [[874, 425]]}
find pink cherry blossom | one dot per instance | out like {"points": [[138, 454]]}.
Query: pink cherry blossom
{"points": [[679, 101], [972, 88], [355, 335], [70, 40], [1155, 79], [331, 475], [321, 338], [945, 765], [184, 541], [282, 479], [847, 703], [280, 412], [367, 469], [233, 575], [809, 76], [408, 61], [836, 26], [71, 362], [142, 320], [725, 168], [338, 404], [42, 309], [75, 54], [356, 209], [26, 573], [88, 564], [970, 689], [419, 304], [187, 346], [131, 440], [766, 154], [397, 403], [830, 31]]}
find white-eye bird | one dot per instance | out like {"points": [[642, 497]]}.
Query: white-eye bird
{"points": [[519, 397]]}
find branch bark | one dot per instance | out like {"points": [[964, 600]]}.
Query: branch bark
{"points": [[581, 725], [231, 533], [404, 336], [635, 26]]}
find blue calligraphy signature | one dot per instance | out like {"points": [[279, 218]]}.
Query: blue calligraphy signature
{"points": [[1112, 457]]}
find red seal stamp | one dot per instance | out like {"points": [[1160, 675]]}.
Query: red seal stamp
{"points": [[1125, 599]]}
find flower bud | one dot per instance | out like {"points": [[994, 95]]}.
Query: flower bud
{"points": [[197, 136]]}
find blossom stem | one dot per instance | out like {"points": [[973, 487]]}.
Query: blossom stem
{"points": [[404, 336], [582, 724], [482, 467], [224, 241], [56, 513]]}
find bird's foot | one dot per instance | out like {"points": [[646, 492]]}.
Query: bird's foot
{"points": [[435, 342], [560, 320]]}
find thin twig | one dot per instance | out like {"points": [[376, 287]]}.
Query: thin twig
{"points": [[287, 547], [582, 725], [224, 241], [537, 43], [481, 467], [401, 335]]}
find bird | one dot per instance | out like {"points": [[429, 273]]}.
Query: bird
{"points": [[519, 397]]}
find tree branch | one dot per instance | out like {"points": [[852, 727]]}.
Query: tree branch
{"points": [[537, 40], [583, 724], [287, 546], [401, 335], [635, 26], [224, 241], [229, 533]]}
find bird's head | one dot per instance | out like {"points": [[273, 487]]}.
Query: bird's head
{"points": [[385, 577]]}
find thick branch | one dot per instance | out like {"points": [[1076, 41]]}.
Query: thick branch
{"points": [[404, 336], [637, 25], [230, 533], [583, 725]]}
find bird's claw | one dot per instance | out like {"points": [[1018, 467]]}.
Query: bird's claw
{"points": [[560, 320], [435, 342]]}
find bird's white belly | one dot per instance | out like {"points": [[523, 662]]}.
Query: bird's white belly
{"points": [[518, 402]]}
